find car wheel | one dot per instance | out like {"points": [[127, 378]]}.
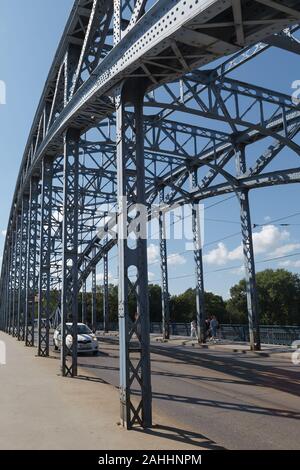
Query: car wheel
{"points": [[55, 347]]}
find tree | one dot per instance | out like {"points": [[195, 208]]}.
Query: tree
{"points": [[183, 306], [215, 305], [155, 300], [278, 298]]}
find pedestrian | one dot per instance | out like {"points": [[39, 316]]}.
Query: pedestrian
{"points": [[193, 329], [213, 327], [207, 328]]}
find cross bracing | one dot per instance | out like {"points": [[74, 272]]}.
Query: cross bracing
{"points": [[136, 107]]}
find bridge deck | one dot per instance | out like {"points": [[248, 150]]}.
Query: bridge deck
{"points": [[205, 398], [41, 410], [237, 400]]}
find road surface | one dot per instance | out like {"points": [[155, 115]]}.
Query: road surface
{"points": [[235, 400]]}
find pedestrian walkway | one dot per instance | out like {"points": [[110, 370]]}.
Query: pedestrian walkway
{"points": [[39, 409], [267, 350]]}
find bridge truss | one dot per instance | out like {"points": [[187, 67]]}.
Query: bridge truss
{"points": [[141, 109]]}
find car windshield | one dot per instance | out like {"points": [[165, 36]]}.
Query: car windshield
{"points": [[81, 329], [84, 330]]}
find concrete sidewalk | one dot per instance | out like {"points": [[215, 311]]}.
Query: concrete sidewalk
{"points": [[267, 350], [41, 410], [221, 345]]}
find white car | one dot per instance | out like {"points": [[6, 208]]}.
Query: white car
{"points": [[86, 340]]}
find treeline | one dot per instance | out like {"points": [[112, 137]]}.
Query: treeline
{"points": [[278, 296]]}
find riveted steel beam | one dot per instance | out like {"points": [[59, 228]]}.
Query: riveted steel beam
{"points": [[69, 290], [134, 331], [105, 294], [44, 283], [22, 269], [31, 274]]}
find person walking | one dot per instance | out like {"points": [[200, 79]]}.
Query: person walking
{"points": [[193, 329], [213, 327], [207, 328]]}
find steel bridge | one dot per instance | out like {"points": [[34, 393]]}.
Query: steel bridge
{"points": [[138, 105]]}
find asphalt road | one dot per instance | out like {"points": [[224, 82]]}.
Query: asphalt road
{"points": [[235, 401]]}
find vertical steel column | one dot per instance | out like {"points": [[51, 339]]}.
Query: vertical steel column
{"points": [[200, 303], [135, 371], [44, 261], [23, 269], [16, 277], [94, 300], [11, 279], [69, 299], [165, 297], [200, 299], [105, 294], [31, 275], [4, 291], [246, 227], [83, 300]]}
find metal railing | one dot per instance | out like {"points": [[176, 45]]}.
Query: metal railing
{"points": [[270, 334]]}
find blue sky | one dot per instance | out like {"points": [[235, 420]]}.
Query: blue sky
{"points": [[29, 33]]}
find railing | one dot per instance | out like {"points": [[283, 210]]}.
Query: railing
{"points": [[281, 335], [269, 334]]}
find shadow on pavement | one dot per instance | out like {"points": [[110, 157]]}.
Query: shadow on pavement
{"points": [[251, 373], [227, 405], [180, 435]]}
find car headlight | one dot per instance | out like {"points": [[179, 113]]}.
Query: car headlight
{"points": [[95, 339]]}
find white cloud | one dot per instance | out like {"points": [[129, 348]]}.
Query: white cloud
{"points": [[111, 279], [238, 271], [267, 218], [175, 259], [289, 264], [153, 253], [218, 256], [4, 232], [269, 238], [151, 276], [286, 249]]}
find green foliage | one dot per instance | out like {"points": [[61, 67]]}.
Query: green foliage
{"points": [[183, 306], [278, 297]]}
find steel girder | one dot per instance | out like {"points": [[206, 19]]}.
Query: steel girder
{"points": [[31, 269], [105, 294], [16, 278], [22, 272], [153, 48], [134, 332], [83, 303], [164, 271], [69, 292], [45, 257], [171, 52], [12, 255], [94, 300], [221, 153]]}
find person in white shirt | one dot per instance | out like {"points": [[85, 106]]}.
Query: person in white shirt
{"points": [[193, 329]]}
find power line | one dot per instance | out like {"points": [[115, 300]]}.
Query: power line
{"points": [[277, 220], [229, 268]]}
